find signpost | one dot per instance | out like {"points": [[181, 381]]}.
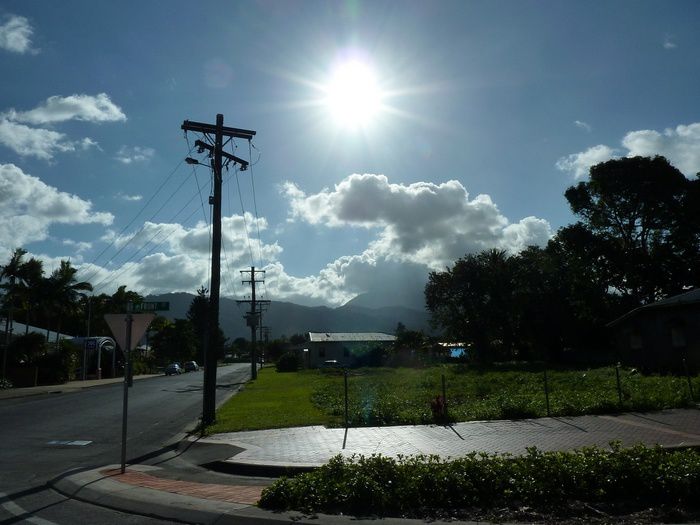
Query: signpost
{"points": [[152, 307], [127, 330]]}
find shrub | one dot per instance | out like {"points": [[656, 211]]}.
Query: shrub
{"points": [[429, 486], [288, 362], [5, 384]]}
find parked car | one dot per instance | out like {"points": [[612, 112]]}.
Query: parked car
{"points": [[191, 366], [173, 368]]}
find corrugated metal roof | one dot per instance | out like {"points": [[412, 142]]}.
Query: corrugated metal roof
{"points": [[328, 337], [691, 297]]}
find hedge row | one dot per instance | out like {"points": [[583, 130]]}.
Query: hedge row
{"points": [[427, 485]]}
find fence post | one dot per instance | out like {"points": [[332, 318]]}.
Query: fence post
{"points": [[619, 387], [690, 383], [345, 380], [546, 391], [444, 397]]}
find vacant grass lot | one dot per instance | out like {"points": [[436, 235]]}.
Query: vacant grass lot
{"points": [[401, 396]]}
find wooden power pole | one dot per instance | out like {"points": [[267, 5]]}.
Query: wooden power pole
{"points": [[253, 316], [215, 132]]}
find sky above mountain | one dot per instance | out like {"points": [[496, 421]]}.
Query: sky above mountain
{"points": [[392, 137]]}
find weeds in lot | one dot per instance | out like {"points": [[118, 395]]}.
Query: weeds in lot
{"points": [[402, 396]]}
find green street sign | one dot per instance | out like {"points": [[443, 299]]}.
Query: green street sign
{"points": [[152, 307]]}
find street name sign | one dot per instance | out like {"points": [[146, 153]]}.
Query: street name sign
{"points": [[152, 306]]}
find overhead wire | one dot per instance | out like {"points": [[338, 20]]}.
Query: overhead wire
{"points": [[255, 206], [111, 278], [148, 202]]}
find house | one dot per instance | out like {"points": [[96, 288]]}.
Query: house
{"points": [[345, 348], [660, 335]]}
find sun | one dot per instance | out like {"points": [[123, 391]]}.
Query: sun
{"points": [[353, 96]]}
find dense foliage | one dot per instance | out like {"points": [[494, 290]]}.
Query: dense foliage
{"points": [[638, 240], [428, 486]]}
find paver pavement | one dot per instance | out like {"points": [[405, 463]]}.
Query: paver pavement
{"points": [[149, 490]]}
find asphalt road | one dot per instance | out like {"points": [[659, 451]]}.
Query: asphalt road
{"points": [[43, 436]]}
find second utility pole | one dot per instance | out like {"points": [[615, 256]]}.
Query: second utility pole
{"points": [[211, 339], [253, 317]]}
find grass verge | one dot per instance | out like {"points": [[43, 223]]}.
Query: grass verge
{"points": [[274, 400], [402, 396]]}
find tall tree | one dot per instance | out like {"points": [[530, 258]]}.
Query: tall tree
{"points": [[472, 303], [198, 315], [637, 211], [64, 291]]}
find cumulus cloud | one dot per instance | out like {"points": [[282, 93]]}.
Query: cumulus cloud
{"points": [[183, 254], [34, 142], [16, 35], [78, 246], [45, 143], [680, 145], [423, 223], [28, 208], [127, 155], [580, 163], [88, 108]]}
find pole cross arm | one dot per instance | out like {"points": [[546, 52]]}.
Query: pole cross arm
{"points": [[201, 127], [204, 146]]}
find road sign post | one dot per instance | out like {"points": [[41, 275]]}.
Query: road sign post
{"points": [[127, 328]]}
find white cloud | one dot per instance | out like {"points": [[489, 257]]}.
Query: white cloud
{"points": [[423, 223], [129, 198], [88, 108], [45, 143], [669, 43], [79, 246], [28, 208], [182, 254], [580, 163], [680, 145], [582, 125], [127, 155], [16, 35], [35, 142]]}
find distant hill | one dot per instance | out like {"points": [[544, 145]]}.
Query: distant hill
{"points": [[288, 318]]}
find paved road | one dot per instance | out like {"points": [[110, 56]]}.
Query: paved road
{"points": [[44, 436]]}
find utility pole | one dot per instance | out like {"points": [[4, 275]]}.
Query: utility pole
{"points": [[253, 316], [216, 154]]}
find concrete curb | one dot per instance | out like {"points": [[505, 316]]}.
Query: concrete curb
{"points": [[93, 487]]}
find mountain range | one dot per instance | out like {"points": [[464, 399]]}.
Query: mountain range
{"points": [[287, 319]]}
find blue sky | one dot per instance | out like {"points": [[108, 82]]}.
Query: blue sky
{"points": [[485, 112]]}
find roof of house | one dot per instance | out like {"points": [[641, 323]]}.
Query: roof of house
{"points": [[690, 297], [17, 329], [359, 337]]}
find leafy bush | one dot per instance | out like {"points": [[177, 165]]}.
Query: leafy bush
{"points": [[5, 384], [288, 362], [427, 485]]}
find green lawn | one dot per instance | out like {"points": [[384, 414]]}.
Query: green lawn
{"points": [[274, 400], [402, 396]]}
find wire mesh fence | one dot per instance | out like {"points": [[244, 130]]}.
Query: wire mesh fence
{"points": [[443, 394]]}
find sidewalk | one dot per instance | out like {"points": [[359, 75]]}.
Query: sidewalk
{"points": [[71, 386], [177, 494]]}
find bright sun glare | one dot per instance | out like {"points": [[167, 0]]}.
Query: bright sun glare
{"points": [[353, 95]]}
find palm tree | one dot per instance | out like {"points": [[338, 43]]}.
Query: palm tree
{"points": [[31, 275], [11, 274], [64, 292]]}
